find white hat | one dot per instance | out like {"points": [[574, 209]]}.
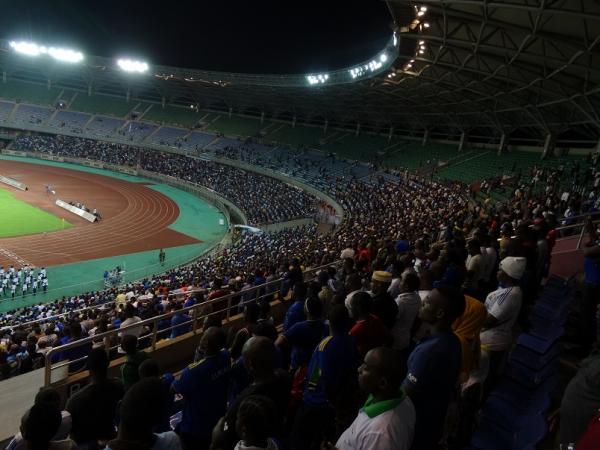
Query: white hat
{"points": [[513, 266], [347, 253]]}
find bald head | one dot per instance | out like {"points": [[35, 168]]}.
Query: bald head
{"points": [[213, 339], [259, 355]]}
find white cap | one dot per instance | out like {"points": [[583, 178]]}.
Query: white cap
{"points": [[513, 266], [347, 253]]}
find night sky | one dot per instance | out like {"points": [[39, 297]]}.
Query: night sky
{"points": [[257, 36]]}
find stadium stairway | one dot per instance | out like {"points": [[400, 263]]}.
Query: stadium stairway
{"points": [[513, 416]]}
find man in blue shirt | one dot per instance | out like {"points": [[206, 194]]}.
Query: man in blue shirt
{"points": [[304, 336], [204, 386], [330, 378], [434, 365], [179, 321], [295, 313]]}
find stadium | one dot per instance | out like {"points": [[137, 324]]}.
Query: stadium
{"points": [[400, 252]]}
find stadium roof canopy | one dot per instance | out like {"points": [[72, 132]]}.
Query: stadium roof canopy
{"points": [[527, 68]]}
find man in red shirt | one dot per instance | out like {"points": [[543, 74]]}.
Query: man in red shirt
{"points": [[368, 331]]}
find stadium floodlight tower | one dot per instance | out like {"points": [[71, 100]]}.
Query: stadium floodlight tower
{"points": [[60, 54], [132, 66]]}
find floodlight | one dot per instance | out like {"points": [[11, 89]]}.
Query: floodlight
{"points": [[129, 65], [26, 48], [60, 54], [421, 42], [426, 25], [421, 13], [423, 8], [421, 52], [65, 55]]}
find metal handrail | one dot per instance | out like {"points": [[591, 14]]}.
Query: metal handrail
{"points": [[195, 311]]}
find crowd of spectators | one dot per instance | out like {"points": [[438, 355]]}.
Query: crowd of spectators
{"points": [[265, 200], [391, 350], [424, 309]]}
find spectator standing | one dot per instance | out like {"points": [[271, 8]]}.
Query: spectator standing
{"points": [[296, 313], [94, 407], [203, 386], [260, 358], [503, 306], [329, 385], [387, 419], [368, 331], [434, 365], [409, 304], [141, 412], [133, 359], [131, 319], [384, 305]]}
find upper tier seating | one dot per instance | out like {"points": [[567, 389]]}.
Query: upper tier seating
{"points": [[104, 126], [235, 125], [101, 104], [296, 136], [137, 131], [197, 140], [31, 114], [172, 137], [29, 92], [5, 110], [70, 120], [172, 115]]}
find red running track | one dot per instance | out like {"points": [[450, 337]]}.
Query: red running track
{"points": [[135, 217]]}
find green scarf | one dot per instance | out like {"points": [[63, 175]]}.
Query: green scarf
{"points": [[373, 409]]}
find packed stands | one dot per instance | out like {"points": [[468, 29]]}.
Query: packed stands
{"points": [[398, 227], [272, 200]]}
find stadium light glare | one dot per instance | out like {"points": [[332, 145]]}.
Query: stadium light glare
{"points": [[316, 79], [26, 48], [33, 49], [65, 55], [426, 25], [383, 57], [129, 65], [423, 8]]}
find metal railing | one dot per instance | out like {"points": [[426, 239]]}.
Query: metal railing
{"points": [[570, 230], [197, 313]]}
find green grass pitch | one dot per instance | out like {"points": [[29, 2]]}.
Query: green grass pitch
{"points": [[18, 218]]}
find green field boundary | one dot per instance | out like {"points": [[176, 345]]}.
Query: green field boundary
{"points": [[19, 218]]}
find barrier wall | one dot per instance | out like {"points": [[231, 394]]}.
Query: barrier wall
{"points": [[13, 183], [75, 210]]}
